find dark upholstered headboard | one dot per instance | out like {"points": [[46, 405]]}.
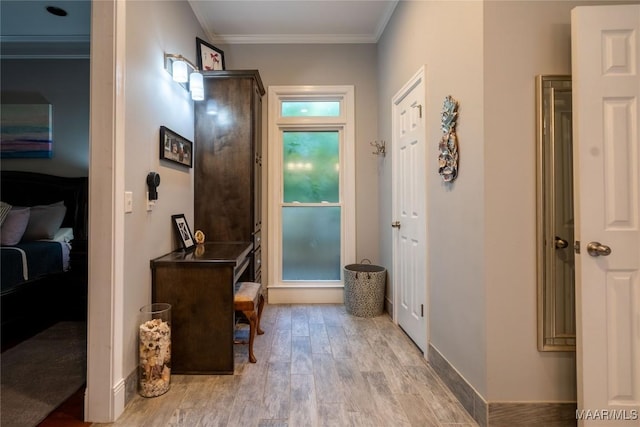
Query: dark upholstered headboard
{"points": [[30, 189]]}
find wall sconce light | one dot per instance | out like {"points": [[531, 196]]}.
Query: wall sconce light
{"points": [[183, 71]]}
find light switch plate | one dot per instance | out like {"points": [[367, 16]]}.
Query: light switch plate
{"points": [[128, 202]]}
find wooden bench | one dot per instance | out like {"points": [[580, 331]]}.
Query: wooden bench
{"points": [[249, 300]]}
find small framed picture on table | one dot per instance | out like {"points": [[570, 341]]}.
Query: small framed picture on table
{"points": [[183, 231]]}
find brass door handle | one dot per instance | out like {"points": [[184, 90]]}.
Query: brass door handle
{"points": [[395, 224], [598, 249]]}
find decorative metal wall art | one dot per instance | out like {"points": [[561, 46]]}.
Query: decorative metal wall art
{"points": [[448, 147]]}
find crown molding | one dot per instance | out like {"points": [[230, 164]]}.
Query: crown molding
{"points": [[385, 20], [83, 38], [292, 38], [74, 47]]}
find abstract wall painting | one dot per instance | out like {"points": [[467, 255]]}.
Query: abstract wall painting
{"points": [[26, 131], [210, 58]]}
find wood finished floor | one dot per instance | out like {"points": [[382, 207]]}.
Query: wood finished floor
{"points": [[317, 366]]}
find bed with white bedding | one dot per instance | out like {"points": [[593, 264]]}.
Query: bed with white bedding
{"points": [[43, 232], [32, 260]]}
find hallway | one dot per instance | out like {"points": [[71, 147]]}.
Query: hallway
{"points": [[317, 366]]}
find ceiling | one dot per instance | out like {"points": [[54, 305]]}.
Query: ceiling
{"points": [[28, 30], [289, 21]]}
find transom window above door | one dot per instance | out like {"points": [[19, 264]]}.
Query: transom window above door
{"points": [[310, 109]]}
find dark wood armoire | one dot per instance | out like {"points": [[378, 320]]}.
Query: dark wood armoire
{"points": [[228, 161]]}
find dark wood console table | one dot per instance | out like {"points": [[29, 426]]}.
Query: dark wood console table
{"points": [[199, 285]]}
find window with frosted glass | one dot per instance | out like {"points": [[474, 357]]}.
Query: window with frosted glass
{"points": [[311, 167], [310, 109], [311, 243]]}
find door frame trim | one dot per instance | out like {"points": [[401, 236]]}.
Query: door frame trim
{"points": [[104, 399], [417, 78], [280, 291]]}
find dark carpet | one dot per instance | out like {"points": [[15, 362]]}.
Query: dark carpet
{"points": [[42, 372]]}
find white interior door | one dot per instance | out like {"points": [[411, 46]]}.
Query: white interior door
{"points": [[606, 90], [409, 210]]}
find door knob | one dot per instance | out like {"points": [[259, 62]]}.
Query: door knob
{"points": [[561, 243], [598, 249], [395, 224]]}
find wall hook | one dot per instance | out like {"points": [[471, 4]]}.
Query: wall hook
{"points": [[380, 148]]}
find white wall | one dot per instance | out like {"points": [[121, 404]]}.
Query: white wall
{"points": [[64, 83], [448, 38], [338, 64], [152, 99]]}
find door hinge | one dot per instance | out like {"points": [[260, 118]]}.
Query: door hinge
{"points": [[419, 107], [422, 310]]}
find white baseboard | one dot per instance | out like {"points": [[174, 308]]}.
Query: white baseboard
{"points": [[304, 295], [119, 398]]}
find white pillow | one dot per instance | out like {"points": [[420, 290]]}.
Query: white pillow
{"points": [[44, 221], [14, 226], [4, 211]]}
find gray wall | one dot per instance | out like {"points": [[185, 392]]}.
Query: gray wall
{"points": [[486, 55], [152, 99], [64, 83], [522, 40], [447, 37], [481, 229], [341, 64]]}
